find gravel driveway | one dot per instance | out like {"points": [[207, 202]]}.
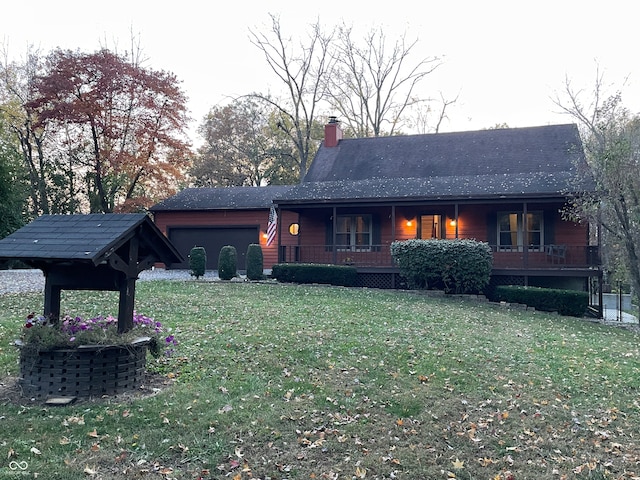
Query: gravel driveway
{"points": [[22, 281]]}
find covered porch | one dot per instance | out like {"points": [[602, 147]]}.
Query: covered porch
{"points": [[523, 235]]}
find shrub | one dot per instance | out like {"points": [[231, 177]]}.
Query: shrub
{"points": [[457, 266], [227, 262], [341, 275], [255, 262], [197, 262], [565, 302]]}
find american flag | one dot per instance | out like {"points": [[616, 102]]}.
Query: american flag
{"points": [[271, 227]]}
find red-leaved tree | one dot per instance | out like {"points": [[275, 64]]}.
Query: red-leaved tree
{"points": [[120, 125]]}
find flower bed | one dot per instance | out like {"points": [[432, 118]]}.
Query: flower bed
{"points": [[84, 371], [75, 357]]}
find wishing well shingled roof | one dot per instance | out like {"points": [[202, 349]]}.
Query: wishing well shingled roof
{"points": [[87, 238]]}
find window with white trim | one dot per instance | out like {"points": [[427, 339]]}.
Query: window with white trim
{"points": [[515, 230], [354, 232]]}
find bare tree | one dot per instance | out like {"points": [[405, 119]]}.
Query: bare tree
{"points": [[373, 85], [302, 69], [611, 138], [421, 121]]}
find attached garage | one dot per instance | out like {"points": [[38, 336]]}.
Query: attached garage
{"points": [[213, 239], [215, 217]]}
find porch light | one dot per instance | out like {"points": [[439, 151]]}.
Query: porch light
{"points": [[409, 223], [452, 222], [265, 236], [294, 228]]}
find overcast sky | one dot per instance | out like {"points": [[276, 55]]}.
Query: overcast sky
{"points": [[504, 59]]}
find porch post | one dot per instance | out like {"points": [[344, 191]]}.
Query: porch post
{"points": [[393, 239], [456, 217], [525, 231], [393, 223], [279, 224], [335, 235]]}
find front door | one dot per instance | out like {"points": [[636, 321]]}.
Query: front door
{"points": [[430, 227]]}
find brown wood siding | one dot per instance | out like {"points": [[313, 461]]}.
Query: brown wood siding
{"points": [[260, 218], [474, 221]]}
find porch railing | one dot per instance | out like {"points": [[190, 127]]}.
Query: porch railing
{"points": [[541, 257]]}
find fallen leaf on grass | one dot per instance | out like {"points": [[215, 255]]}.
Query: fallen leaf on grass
{"points": [[74, 420], [485, 462], [361, 472], [90, 471], [458, 464]]}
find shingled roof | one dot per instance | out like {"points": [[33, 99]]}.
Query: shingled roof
{"points": [[84, 238], [228, 198], [533, 161]]}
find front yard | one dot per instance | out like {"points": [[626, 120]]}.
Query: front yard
{"points": [[307, 382]]}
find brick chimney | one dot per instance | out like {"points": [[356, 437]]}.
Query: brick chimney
{"points": [[332, 133]]}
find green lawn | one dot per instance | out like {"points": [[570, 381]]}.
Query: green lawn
{"points": [[301, 382]]}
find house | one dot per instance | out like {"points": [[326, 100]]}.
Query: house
{"points": [[215, 217], [506, 187]]}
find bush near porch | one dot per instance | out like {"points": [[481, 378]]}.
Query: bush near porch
{"points": [[456, 266]]}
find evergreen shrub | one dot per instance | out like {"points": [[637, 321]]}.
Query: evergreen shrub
{"points": [[255, 262], [565, 302], [227, 262], [341, 275], [197, 262], [456, 266]]}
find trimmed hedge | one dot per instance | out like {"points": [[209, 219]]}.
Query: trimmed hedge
{"points": [[255, 262], [197, 262], [456, 266], [341, 275], [227, 262], [566, 302]]}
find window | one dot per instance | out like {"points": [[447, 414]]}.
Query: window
{"points": [[354, 232], [514, 232], [430, 226]]}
